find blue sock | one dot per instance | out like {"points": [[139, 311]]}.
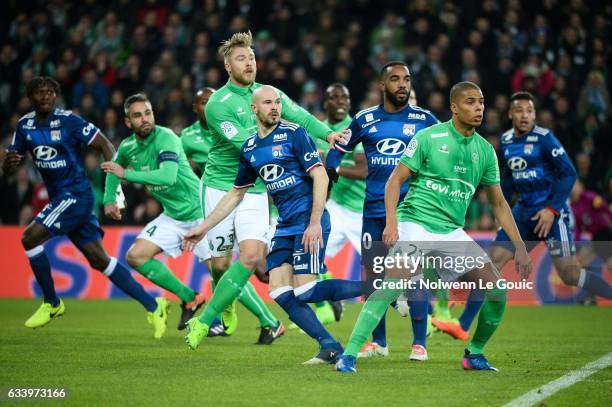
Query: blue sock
{"points": [[472, 306], [302, 315], [418, 314], [593, 283], [122, 278], [330, 290], [379, 334], [419, 303], [42, 271]]}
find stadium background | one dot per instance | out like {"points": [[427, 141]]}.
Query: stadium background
{"points": [[100, 52]]}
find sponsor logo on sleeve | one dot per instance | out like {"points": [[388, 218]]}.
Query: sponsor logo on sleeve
{"points": [[412, 146], [557, 151], [87, 130], [228, 129], [310, 155]]}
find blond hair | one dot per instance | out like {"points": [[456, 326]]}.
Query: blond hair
{"points": [[238, 40]]}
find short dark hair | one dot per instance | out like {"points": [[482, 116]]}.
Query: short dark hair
{"points": [[40, 82], [138, 97], [333, 86], [389, 65], [522, 95], [460, 87]]}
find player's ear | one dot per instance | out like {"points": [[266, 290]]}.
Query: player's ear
{"points": [[453, 107], [253, 108], [381, 85], [127, 122]]}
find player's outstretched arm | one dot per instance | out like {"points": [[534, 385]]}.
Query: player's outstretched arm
{"points": [[228, 203], [400, 174], [313, 235], [503, 214], [103, 145]]}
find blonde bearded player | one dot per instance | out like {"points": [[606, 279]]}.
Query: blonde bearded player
{"points": [[231, 122]]}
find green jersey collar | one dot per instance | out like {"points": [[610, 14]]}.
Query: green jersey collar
{"points": [[241, 90], [460, 138]]}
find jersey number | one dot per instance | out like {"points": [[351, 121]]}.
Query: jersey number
{"points": [[151, 230]]}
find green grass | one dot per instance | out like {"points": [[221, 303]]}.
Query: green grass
{"points": [[103, 352]]}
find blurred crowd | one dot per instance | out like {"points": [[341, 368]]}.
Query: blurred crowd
{"points": [[101, 52]]}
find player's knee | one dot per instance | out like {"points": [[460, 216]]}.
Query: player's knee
{"points": [[98, 261], [250, 259], [569, 276], [135, 259], [29, 239], [220, 264]]}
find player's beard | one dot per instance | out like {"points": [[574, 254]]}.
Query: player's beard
{"points": [[268, 121], [395, 101], [246, 79], [145, 133]]}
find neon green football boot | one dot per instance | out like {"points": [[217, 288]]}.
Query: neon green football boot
{"points": [[196, 331], [325, 313], [159, 317], [45, 314], [229, 318]]}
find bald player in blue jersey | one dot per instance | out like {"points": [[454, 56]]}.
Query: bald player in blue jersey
{"points": [[385, 131], [57, 139], [286, 159]]}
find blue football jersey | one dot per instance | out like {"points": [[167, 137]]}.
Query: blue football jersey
{"points": [[536, 167], [385, 136], [282, 160], [57, 147]]}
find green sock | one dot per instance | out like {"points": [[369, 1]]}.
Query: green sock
{"points": [[228, 289], [488, 320], [253, 302], [370, 315], [161, 275], [442, 296]]}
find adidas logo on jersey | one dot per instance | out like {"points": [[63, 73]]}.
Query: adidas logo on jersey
{"points": [[373, 129], [252, 160], [57, 224]]}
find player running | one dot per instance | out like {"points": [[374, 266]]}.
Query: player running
{"points": [[385, 131], [536, 167], [56, 138], [231, 122], [286, 159], [158, 161], [446, 162], [197, 141]]}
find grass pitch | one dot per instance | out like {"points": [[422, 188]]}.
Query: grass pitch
{"points": [[103, 352]]}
